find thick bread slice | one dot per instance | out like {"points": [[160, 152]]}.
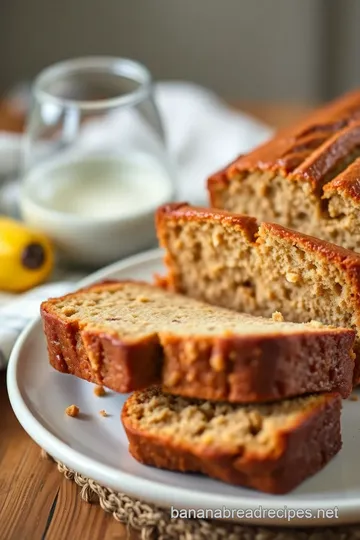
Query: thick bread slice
{"points": [[231, 261], [290, 179], [271, 448], [130, 335]]}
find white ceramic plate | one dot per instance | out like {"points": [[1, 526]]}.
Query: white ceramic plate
{"points": [[97, 446]]}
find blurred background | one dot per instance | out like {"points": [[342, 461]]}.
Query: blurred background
{"points": [[268, 50]]}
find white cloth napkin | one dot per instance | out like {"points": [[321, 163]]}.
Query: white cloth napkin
{"points": [[203, 135], [18, 312]]}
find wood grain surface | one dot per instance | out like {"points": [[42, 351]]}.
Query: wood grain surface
{"points": [[36, 502]]}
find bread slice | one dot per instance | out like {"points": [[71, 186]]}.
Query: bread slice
{"points": [[271, 448], [231, 261], [130, 335], [305, 178]]}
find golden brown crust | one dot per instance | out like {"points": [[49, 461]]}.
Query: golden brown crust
{"points": [[100, 358], [346, 183], [300, 452], [306, 151], [253, 369], [219, 179], [246, 224], [301, 160], [233, 368]]}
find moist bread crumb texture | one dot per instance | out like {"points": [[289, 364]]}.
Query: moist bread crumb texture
{"points": [[268, 447], [205, 422], [119, 308], [259, 271], [305, 178], [109, 335]]}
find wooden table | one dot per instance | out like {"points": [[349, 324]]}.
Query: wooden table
{"points": [[36, 502]]}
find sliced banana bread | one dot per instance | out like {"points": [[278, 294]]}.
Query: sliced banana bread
{"points": [[130, 335], [271, 448], [306, 177], [231, 261]]}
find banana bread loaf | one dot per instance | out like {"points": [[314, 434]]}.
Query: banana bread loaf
{"points": [[129, 335], [231, 261], [306, 177], [271, 448]]}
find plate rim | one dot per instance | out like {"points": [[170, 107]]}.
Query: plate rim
{"points": [[154, 491]]}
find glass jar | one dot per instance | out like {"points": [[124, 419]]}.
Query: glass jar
{"points": [[95, 167]]}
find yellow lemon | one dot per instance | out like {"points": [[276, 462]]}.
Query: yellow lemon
{"points": [[26, 256]]}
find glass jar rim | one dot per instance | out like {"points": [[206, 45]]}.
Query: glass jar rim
{"points": [[121, 67]]}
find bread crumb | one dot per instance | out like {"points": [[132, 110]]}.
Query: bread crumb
{"points": [[99, 391], [72, 410], [143, 299], [216, 239], [103, 413], [354, 397], [277, 316], [292, 277]]}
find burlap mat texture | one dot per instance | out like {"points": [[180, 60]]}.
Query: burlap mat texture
{"points": [[154, 523]]}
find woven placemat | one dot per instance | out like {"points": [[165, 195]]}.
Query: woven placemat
{"points": [[155, 523]]}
